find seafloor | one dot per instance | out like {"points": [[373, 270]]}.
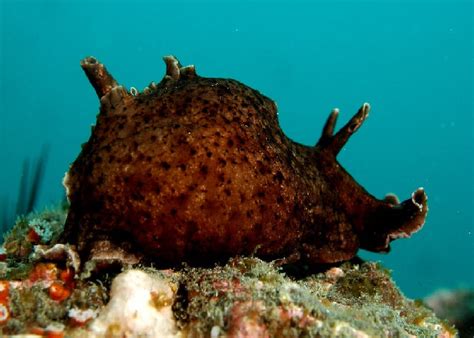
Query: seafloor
{"points": [[46, 290]]}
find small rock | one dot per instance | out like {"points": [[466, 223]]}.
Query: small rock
{"points": [[140, 306]]}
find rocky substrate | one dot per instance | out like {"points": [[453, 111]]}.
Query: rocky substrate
{"points": [[44, 291]]}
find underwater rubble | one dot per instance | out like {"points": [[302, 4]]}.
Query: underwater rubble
{"points": [[44, 293]]}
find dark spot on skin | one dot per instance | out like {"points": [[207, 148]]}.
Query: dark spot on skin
{"points": [[165, 165], [136, 196], [182, 140], [146, 215], [240, 139], [204, 169], [278, 177], [182, 198], [262, 168]]}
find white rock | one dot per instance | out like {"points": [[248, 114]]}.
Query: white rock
{"points": [[139, 306]]}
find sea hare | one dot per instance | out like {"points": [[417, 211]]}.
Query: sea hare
{"points": [[198, 170]]}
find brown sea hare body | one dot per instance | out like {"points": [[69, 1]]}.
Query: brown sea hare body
{"points": [[197, 169]]}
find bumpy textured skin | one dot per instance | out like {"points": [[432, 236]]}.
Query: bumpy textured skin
{"points": [[197, 169]]}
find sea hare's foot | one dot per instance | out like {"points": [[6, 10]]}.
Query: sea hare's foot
{"points": [[58, 252], [105, 254], [290, 259], [334, 143]]}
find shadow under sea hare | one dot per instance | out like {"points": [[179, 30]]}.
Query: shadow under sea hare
{"points": [[198, 170]]}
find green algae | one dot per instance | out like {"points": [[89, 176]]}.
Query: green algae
{"points": [[18, 245], [48, 225], [364, 299], [33, 307]]}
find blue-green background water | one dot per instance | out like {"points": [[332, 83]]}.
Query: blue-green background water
{"points": [[412, 60]]}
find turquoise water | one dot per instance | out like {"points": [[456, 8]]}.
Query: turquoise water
{"points": [[412, 60]]}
